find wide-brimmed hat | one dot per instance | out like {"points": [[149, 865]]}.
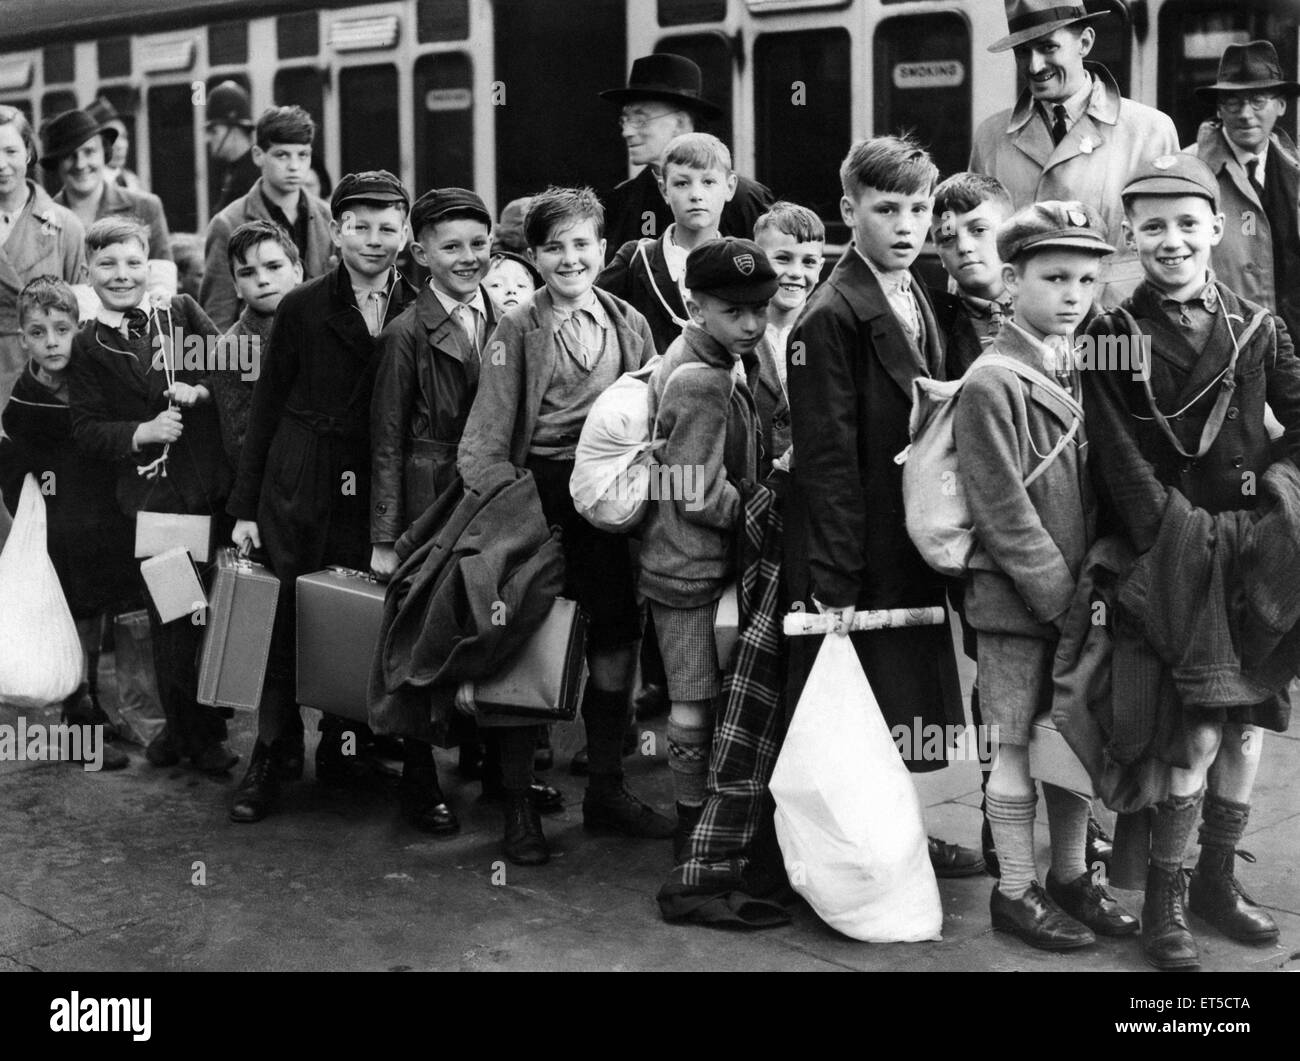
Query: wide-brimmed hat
{"points": [[1028, 20], [1251, 67], [671, 78], [66, 132]]}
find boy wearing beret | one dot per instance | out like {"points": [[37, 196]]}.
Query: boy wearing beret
{"points": [[1021, 461], [703, 392], [1192, 432]]}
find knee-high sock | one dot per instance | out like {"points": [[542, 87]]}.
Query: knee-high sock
{"points": [[604, 713], [1067, 818], [1172, 828], [688, 758], [1012, 820], [1223, 822]]}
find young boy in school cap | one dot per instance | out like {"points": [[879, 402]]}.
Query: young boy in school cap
{"points": [[703, 393], [867, 333], [308, 432], [1199, 330], [1030, 544]]}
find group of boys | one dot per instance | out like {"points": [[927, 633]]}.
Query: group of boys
{"points": [[498, 360]]}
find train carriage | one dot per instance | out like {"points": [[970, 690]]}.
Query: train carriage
{"points": [[500, 95]]}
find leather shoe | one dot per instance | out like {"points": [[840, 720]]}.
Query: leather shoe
{"points": [[162, 750], [1216, 896], [953, 860], [214, 759], [1167, 942], [524, 842], [1035, 919], [423, 804], [991, 865], [546, 798], [578, 765], [260, 787], [1091, 904], [1099, 847], [613, 809]]}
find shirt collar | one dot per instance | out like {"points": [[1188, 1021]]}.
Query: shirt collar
{"points": [[985, 307], [591, 305], [450, 302], [674, 256], [1207, 296], [113, 318], [900, 280], [1245, 157], [1075, 106], [361, 291]]}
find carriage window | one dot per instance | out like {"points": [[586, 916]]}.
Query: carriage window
{"points": [[60, 63], [1113, 47], [301, 87], [685, 12], [802, 93], [114, 57], [171, 154], [441, 20], [228, 44], [297, 36], [444, 121], [922, 83], [711, 52], [1192, 39], [57, 102], [368, 128], [553, 129]]}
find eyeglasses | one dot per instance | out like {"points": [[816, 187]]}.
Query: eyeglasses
{"points": [[639, 120], [1236, 104]]}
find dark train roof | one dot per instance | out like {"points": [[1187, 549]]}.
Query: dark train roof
{"points": [[32, 23]]}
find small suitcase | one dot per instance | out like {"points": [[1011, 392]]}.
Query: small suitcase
{"points": [[1051, 759], [339, 615], [174, 584], [237, 639], [545, 679], [158, 532]]}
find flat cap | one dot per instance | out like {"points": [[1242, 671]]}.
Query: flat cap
{"points": [[1178, 174], [436, 203], [1052, 224], [377, 185], [732, 269]]}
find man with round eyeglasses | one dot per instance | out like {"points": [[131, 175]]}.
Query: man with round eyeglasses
{"points": [[1258, 169], [661, 100]]}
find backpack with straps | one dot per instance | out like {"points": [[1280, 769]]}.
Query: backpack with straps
{"points": [[937, 513]]}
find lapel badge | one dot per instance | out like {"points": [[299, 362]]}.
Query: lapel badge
{"points": [[1086, 145], [745, 263]]}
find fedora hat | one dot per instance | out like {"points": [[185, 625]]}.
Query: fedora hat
{"points": [[671, 78], [64, 133], [1028, 20], [1249, 67]]}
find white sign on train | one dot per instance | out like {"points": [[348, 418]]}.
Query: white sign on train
{"points": [[941, 73], [448, 99]]}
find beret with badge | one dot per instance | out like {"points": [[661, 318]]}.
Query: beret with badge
{"points": [[734, 270], [1052, 225]]}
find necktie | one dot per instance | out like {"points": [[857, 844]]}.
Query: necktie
{"points": [[373, 312], [467, 318], [136, 321], [1058, 126], [581, 336], [1252, 175]]}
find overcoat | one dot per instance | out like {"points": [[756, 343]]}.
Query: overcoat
{"points": [[850, 400], [1244, 258], [424, 386], [1092, 164], [304, 473], [144, 207]]}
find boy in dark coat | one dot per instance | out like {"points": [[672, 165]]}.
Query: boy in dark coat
{"points": [[1202, 334], [87, 537], [1031, 538], [303, 489], [867, 332], [137, 403]]}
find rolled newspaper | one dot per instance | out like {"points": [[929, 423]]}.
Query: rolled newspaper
{"points": [[800, 624]]}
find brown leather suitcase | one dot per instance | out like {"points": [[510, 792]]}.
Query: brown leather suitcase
{"points": [[339, 615], [546, 677], [237, 637]]}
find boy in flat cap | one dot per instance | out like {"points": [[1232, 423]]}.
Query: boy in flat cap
{"points": [[1070, 135], [309, 432], [1186, 438], [1021, 460], [1258, 172], [703, 391]]}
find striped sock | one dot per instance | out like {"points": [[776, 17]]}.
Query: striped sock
{"points": [[688, 758], [1012, 820]]}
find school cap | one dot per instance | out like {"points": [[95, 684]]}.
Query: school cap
{"points": [[519, 259], [438, 202], [735, 270], [1052, 224], [377, 185], [1178, 174]]}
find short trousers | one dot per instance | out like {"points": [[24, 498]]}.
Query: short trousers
{"points": [[1015, 681], [689, 649]]}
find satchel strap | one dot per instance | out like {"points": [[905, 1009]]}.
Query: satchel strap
{"points": [[650, 276]]}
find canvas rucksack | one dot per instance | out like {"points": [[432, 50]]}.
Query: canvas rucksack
{"points": [[938, 516]]}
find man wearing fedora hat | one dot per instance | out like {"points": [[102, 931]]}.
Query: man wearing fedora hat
{"points": [[662, 99], [1071, 135], [229, 132], [1258, 170], [76, 146]]}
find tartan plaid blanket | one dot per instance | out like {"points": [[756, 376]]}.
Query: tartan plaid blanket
{"points": [[748, 735]]}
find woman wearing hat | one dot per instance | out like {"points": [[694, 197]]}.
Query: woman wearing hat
{"points": [[103, 111], [75, 146], [1258, 171], [37, 238]]}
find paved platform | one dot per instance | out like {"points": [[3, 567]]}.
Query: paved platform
{"points": [[99, 871]]}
